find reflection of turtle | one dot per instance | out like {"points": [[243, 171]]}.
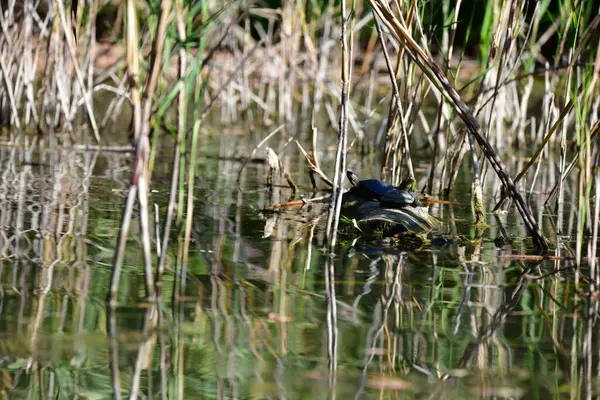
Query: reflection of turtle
{"points": [[379, 209], [388, 195], [377, 221]]}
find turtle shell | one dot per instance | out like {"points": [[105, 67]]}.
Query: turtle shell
{"points": [[399, 198], [370, 189], [388, 195], [374, 189]]}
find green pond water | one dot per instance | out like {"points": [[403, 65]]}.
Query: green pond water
{"points": [[469, 320]]}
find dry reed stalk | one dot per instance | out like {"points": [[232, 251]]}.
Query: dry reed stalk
{"points": [[335, 204], [499, 68], [325, 44], [139, 180], [340, 159], [9, 45], [72, 52], [439, 80], [50, 95], [114, 108], [566, 110], [29, 66], [397, 118], [140, 172], [11, 96], [447, 50], [133, 68]]}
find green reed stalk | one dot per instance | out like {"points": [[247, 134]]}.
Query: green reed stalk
{"points": [[190, 195], [179, 141]]}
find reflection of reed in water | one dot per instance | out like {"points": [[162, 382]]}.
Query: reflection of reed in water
{"points": [[44, 202], [45, 272]]}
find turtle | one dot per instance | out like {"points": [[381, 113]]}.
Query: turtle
{"points": [[389, 196]]}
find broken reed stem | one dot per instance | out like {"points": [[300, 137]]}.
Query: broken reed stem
{"points": [[315, 133], [313, 160], [255, 149], [313, 164], [276, 166], [439, 80]]}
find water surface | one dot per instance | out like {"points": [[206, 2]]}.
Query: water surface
{"points": [[470, 319]]}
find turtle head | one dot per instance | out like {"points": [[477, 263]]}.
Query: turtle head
{"points": [[409, 184], [352, 178]]}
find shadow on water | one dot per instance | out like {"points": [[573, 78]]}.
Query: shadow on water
{"points": [[470, 318]]}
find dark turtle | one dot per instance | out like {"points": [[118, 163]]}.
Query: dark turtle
{"points": [[399, 198], [388, 195]]}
